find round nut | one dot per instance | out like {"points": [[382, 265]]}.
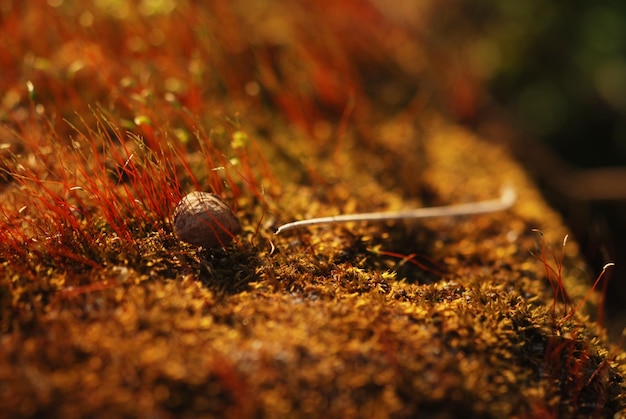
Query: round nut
{"points": [[203, 219]]}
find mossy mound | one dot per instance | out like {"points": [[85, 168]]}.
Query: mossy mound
{"points": [[113, 110], [328, 323]]}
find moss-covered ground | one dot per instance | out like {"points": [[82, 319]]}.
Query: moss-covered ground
{"points": [[111, 111]]}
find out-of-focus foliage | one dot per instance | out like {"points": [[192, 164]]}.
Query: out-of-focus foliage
{"points": [[558, 67], [561, 68]]}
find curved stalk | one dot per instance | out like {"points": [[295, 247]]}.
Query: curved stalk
{"points": [[506, 200]]}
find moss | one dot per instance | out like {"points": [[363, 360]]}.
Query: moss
{"points": [[106, 314]]}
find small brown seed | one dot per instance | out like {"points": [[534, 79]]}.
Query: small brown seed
{"points": [[203, 219]]}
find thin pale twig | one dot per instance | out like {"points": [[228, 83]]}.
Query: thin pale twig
{"points": [[506, 200]]}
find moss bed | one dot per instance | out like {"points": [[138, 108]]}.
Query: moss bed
{"points": [[104, 313]]}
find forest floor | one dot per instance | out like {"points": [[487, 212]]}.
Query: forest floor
{"points": [[112, 111]]}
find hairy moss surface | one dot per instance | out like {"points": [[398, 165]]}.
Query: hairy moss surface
{"points": [[104, 313]]}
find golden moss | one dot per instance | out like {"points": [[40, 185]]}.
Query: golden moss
{"points": [[323, 324], [404, 319]]}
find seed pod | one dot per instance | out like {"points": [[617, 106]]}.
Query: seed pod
{"points": [[203, 219]]}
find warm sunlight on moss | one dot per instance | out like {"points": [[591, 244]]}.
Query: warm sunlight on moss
{"points": [[111, 111]]}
